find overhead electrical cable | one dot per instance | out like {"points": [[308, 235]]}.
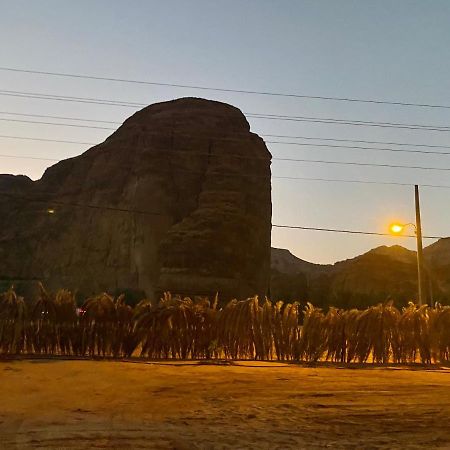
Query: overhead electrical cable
{"points": [[409, 144], [340, 180], [306, 119], [51, 202], [313, 161], [60, 141], [46, 116], [38, 96], [331, 180], [333, 121], [56, 124], [315, 138], [301, 144], [359, 147], [352, 163], [336, 230], [220, 89]]}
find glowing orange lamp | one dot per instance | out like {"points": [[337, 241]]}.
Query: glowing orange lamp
{"points": [[396, 228]]}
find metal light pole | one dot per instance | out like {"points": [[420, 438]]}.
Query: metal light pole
{"points": [[419, 247], [397, 228]]}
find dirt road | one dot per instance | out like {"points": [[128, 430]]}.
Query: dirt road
{"points": [[90, 404]]}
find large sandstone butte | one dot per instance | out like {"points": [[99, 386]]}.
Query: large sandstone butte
{"points": [[197, 182]]}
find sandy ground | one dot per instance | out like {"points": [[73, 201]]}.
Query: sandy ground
{"points": [[98, 404]]}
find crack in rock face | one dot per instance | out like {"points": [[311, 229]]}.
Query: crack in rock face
{"points": [[179, 200]]}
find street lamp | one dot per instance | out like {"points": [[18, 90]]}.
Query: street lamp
{"points": [[397, 228]]}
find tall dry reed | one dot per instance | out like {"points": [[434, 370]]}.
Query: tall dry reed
{"points": [[186, 328]]}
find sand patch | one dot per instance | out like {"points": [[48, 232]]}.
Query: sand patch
{"points": [[99, 404]]}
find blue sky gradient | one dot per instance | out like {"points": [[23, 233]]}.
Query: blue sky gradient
{"points": [[385, 50]]}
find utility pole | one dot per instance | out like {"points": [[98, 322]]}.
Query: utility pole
{"points": [[420, 283]]}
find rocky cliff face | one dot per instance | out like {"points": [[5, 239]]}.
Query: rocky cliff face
{"points": [[178, 198]]}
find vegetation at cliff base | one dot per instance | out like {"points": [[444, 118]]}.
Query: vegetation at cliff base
{"points": [[184, 328]]}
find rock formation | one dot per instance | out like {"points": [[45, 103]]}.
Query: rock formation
{"points": [[178, 198], [380, 274]]}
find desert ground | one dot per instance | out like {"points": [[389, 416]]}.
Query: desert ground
{"points": [[47, 403]]}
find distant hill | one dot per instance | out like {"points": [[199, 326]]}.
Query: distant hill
{"points": [[284, 261], [380, 274], [437, 256], [290, 275]]}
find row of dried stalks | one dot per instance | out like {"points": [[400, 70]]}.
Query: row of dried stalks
{"points": [[182, 328]]}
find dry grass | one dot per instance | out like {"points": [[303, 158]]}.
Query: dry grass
{"points": [[183, 328]]}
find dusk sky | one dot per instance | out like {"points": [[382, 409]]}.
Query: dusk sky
{"points": [[385, 50]]}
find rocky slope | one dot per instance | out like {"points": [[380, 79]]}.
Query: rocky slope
{"points": [[178, 198], [437, 257], [284, 261], [380, 274]]}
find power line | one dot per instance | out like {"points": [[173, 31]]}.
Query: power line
{"points": [[339, 180], [185, 152], [136, 211], [274, 142], [323, 120], [239, 91], [247, 157], [30, 157], [314, 161], [355, 122], [332, 121], [79, 119], [303, 144], [352, 163], [70, 99], [279, 177], [80, 205], [358, 147], [4, 136], [56, 124], [335, 230], [354, 147], [228, 139], [283, 117], [332, 180], [409, 144]]}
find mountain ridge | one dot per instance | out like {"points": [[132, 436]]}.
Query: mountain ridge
{"points": [[384, 272]]}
